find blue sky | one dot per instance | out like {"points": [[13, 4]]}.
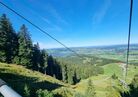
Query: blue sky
{"points": [[75, 22]]}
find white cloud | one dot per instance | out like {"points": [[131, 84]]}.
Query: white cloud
{"points": [[99, 15], [52, 27], [56, 14]]}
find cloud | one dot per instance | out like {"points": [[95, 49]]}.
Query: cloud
{"points": [[99, 16], [52, 27], [46, 20], [39, 16], [56, 14]]}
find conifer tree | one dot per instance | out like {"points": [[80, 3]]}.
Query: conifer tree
{"points": [[4, 36], [70, 75], [43, 60], [50, 66], [64, 73], [36, 57], [75, 80], [57, 70], [8, 39], [25, 47], [15, 49]]}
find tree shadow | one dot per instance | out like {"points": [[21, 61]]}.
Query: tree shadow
{"points": [[46, 85], [17, 82]]}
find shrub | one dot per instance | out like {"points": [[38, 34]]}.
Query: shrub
{"points": [[26, 91], [44, 93], [114, 76]]}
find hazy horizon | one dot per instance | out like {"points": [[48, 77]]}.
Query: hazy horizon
{"points": [[94, 46]]}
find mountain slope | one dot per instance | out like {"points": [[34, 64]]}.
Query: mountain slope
{"points": [[17, 76], [104, 84]]}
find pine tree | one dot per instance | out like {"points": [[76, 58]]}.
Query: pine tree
{"points": [[43, 60], [25, 47], [64, 73], [90, 91], [7, 40], [36, 57], [75, 80], [3, 37], [57, 70], [15, 48], [50, 66], [70, 75]]}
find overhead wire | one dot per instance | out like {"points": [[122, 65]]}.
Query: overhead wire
{"points": [[129, 33], [41, 30]]}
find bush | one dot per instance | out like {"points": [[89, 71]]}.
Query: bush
{"points": [[44, 93], [26, 91], [114, 76]]}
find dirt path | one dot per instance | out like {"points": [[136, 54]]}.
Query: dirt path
{"points": [[123, 66], [101, 80]]}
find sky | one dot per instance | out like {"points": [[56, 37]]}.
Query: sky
{"points": [[75, 23]]}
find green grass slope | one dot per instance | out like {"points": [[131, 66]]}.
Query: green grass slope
{"points": [[17, 76], [104, 84]]}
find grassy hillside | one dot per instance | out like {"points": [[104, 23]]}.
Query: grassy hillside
{"points": [[104, 83], [113, 68], [17, 76]]}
